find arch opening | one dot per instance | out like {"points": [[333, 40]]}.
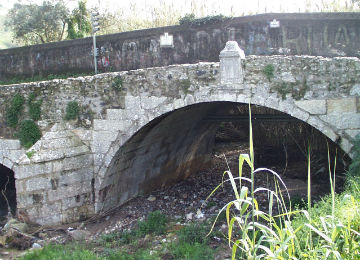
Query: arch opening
{"points": [[184, 142], [7, 192]]}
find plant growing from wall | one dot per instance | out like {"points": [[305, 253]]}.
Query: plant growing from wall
{"points": [[29, 133], [268, 71], [189, 19], [34, 107], [117, 84], [16, 107], [72, 110]]}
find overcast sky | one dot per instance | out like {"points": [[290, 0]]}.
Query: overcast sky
{"points": [[223, 6]]}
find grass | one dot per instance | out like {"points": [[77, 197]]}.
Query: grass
{"points": [[61, 252]]}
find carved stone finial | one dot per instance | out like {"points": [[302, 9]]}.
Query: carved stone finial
{"points": [[231, 70]]}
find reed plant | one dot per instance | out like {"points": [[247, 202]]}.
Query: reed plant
{"points": [[281, 232]]}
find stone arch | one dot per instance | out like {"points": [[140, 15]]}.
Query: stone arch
{"points": [[106, 175]]}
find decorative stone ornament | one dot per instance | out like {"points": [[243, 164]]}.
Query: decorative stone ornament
{"points": [[231, 71]]}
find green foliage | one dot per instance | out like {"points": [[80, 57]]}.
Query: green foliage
{"points": [[354, 168], [189, 251], [61, 252], [139, 254], [191, 20], [30, 154], [79, 24], [43, 23], [155, 223], [34, 107], [117, 83], [329, 230], [29, 133], [72, 110], [193, 233], [268, 71], [13, 112]]}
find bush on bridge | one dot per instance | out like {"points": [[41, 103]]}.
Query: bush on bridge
{"points": [[29, 133]]}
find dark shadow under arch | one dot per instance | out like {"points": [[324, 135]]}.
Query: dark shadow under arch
{"points": [[7, 191], [180, 143]]}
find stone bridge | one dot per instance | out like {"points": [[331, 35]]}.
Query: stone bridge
{"points": [[142, 129]]}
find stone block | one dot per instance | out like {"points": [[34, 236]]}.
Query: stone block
{"points": [[344, 105], [61, 143], [63, 192], [343, 120], [47, 155], [346, 145], [9, 144], [73, 163], [314, 107], [111, 125], [118, 114], [330, 133], [299, 114], [83, 134], [353, 133], [75, 151], [56, 135], [79, 176], [36, 184], [31, 170]]}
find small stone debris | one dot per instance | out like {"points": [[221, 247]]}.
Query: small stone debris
{"points": [[79, 235], [151, 198], [36, 246]]}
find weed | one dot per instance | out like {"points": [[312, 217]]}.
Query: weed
{"points": [[34, 107], [139, 254], [155, 224], [193, 233], [30, 154], [310, 235], [13, 112], [189, 20], [61, 252], [185, 85], [191, 251], [117, 83], [29, 133], [72, 110], [268, 70]]}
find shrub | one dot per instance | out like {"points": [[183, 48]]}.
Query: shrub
{"points": [[191, 251], [189, 19], [193, 233], [29, 133], [269, 71], [117, 83], [72, 110], [13, 112], [34, 107], [155, 224]]}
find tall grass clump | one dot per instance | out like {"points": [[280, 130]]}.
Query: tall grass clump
{"points": [[280, 232]]}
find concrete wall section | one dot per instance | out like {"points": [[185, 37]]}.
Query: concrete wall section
{"points": [[325, 34]]}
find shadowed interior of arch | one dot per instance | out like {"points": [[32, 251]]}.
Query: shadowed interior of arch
{"points": [[7, 191], [182, 142]]}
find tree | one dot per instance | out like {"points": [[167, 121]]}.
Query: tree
{"points": [[79, 24], [33, 24]]}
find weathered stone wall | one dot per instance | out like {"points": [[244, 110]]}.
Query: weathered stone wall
{"points": [[324, 34], [124, 138]]}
